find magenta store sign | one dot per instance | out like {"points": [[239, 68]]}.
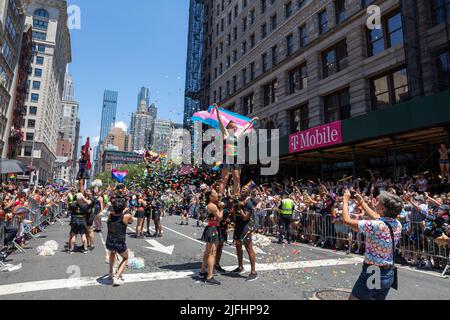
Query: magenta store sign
{"points": [[318, 137]]}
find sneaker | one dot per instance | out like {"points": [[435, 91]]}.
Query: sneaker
{"points": [[70, 252], [220, 269], [85, 251], [237, 270], [213, 281], [117, 282], [252, 277], [202, 274]]}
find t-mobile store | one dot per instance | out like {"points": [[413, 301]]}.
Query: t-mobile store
{"points": [[396, 141]]}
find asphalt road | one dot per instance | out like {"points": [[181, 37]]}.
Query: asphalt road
{"points": [[288, 272]]}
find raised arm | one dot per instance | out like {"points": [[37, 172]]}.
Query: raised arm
{"points": [[222, 127], [348, 221], [371, 213]]}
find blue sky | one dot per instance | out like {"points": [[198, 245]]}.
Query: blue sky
{"points": [[124, 46]]}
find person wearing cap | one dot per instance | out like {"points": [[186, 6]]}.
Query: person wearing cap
{"points": [[286, 211]]}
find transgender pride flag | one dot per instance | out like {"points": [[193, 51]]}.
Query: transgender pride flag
{"points": [[119, 176], [210, 118]]}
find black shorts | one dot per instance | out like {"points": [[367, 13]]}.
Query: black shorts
{"points": [[156, 214], [223, 234], [78, 226], [116, 246], [211, 235], [242, 232], [90, 220], [140, 214]]}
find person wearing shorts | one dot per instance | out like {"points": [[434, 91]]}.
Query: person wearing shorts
{"points": [[156, 217], [90, 218], [78, 226], [118, 221], [242, 232]]}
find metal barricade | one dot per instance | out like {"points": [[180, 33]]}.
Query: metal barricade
{"points": [[2, 233]]}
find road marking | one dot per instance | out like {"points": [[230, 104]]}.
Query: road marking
{"points": [[47, 285], [202, 243], [156, 246]]}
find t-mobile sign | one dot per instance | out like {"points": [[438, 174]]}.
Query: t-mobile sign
{"points": [[318, 137]]}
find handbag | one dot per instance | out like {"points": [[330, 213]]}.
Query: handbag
{"points": [[394, 268]]}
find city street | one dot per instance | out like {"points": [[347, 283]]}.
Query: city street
{"points": [[291, 272]]}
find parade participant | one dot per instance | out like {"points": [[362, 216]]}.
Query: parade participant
{"points": [[98, 209], [149, 209], [140, 215], [211, 236], [156, 216], [78, 226], [118, 221], [242, 232], [84, 165], [382, 234], [90, 235], [444, 162], [185, 206], [223, 231], [231, 137]]}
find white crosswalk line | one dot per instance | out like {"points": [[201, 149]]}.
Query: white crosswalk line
{"points": [[47, 285]]}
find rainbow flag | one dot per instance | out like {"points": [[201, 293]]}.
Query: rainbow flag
{"points": [[12, 176], [119, 176], [250, 185], [210, 118]]}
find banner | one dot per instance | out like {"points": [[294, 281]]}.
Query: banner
{"points": [[315, 138]]}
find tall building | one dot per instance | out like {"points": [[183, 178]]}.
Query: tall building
{"points": [[175, 153], [192, 102], [161, 136], [153, 111], [12, 20], [141, 127], [144, 94], [52, 49], [109, 113], [300, 65], [70, 108], [19, 109], [119, 138]]}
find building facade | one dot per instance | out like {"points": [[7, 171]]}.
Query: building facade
{"points": [[109, 113], [19, 111], [70, 108], [141, 128], [161, 136], [52, 54], [192, 102], [299, 65], [119, 138], [144, 95], [12, 24], [112, 159]]}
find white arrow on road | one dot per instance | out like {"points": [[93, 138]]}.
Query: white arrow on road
{"points": [[156, 246]]}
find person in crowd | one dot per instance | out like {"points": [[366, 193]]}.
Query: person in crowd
{"points": [[382, 233], [140, 204]]}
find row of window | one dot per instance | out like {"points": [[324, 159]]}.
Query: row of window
{"points": [[386, 89], [251, 19], [334, 59]]}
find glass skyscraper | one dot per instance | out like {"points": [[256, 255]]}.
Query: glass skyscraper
{"points": [[144, 94], [109, 113], [194, 60]]}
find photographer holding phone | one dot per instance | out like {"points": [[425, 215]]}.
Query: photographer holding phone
{"points": [[382, 234]]}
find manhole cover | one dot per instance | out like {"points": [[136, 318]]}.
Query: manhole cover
{"points": [[332, 294]]}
